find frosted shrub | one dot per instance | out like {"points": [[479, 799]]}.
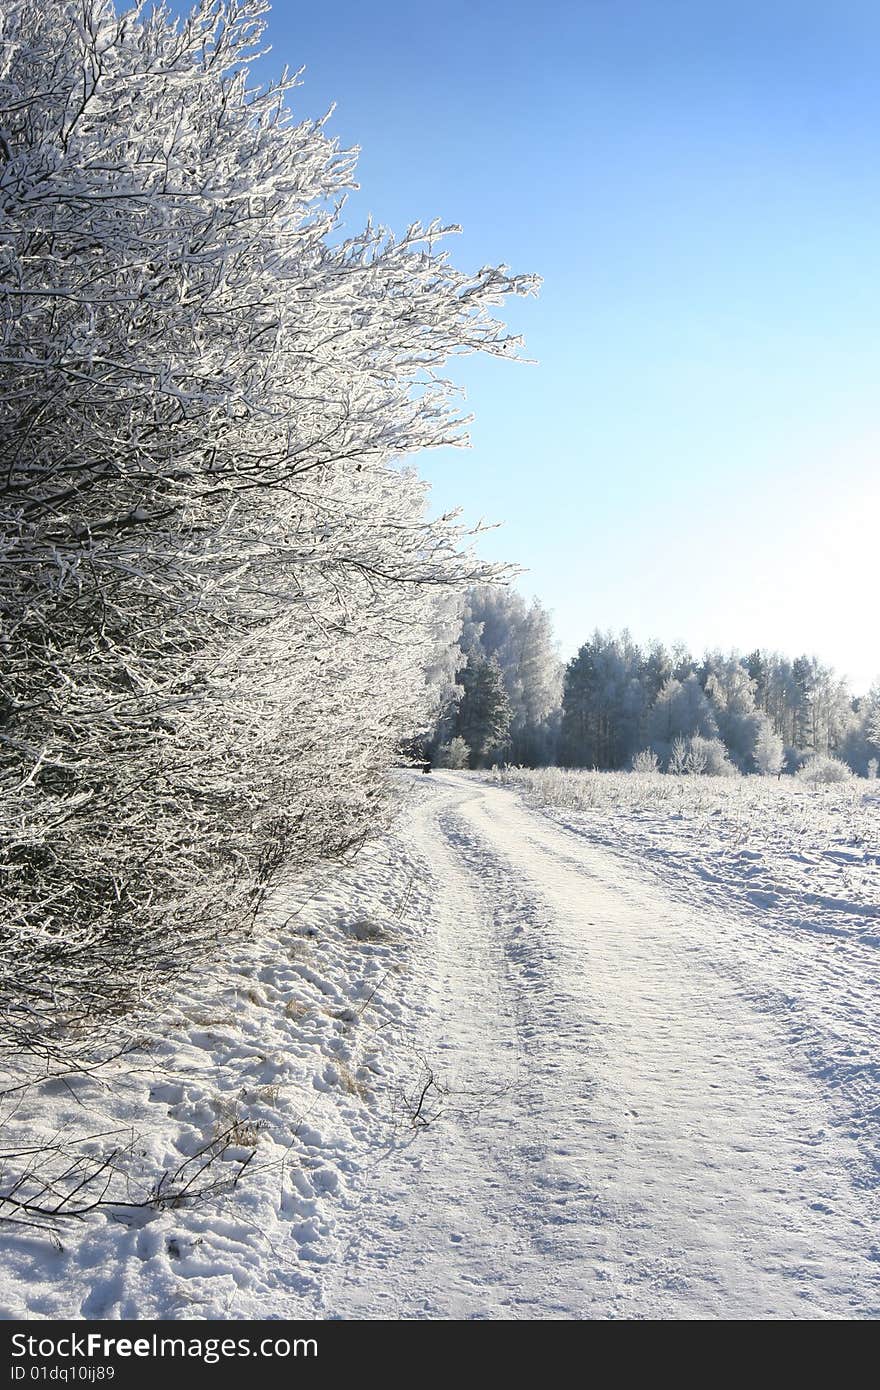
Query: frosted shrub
{"points": [[708, 757], [700, 757], [697, 758], [678, 758], [454, 754], [823, 768], [646, 761], [213, 569]]}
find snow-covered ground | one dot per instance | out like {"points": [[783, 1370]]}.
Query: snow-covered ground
{"points": [[289, 1056], [637, 1124], [789, 871], [809, 855], [512, 1062]]}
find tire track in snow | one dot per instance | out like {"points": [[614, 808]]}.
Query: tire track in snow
{"points": [[482, 1215], [657, 1153], [822, 992]]}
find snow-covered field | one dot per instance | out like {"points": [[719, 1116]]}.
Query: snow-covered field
{"points": [[806, 855], [608, 1058]]}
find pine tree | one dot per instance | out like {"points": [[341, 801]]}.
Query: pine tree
{"points": [[497, 623], [484, 712]]}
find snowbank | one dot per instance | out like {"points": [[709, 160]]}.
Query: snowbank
{"points": [[268, 1081]]}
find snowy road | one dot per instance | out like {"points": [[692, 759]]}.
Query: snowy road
{"points": [[626, 1130]]}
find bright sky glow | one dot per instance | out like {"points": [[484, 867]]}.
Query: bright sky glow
{"points": [[695, 457]]}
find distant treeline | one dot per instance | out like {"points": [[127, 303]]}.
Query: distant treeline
{"points": [[513, 701]]}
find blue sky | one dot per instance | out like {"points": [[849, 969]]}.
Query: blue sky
{"points": [[695, 456]]}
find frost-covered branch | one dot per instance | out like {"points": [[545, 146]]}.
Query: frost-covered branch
{"points": [[217, 583]]}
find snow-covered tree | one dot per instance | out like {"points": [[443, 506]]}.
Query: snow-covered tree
{"points": [[731, 691], [445, 660], [455, 754], [216, 580], [677, 762], [820, 767], [603, 703], [871, 715], [484, 712], [498, 624], [768, 752], [707, 757], [681, 710], [645, 762]]}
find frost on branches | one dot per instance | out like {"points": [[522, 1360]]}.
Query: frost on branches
{"points": [[217, 580]]}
